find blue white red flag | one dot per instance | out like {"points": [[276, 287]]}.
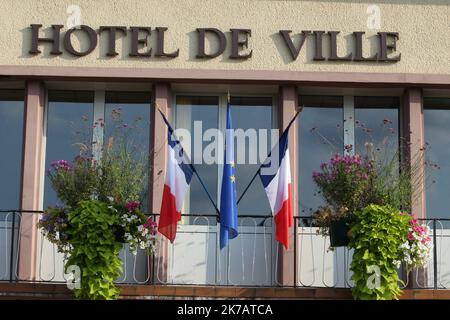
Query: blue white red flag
{"points": [[178, 176]]}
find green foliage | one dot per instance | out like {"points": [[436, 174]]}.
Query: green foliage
{"points": [[123, 173], [74, 182], [95, 249], [376, 236], [395, 183]]}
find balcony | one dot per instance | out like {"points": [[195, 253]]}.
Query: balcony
{"points": [[253, 266]]}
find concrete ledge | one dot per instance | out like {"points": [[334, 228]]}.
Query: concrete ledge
{"points": [[21, 290], [357, 79]]}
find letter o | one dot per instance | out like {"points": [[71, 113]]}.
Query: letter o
{"points": [[91, 33]]}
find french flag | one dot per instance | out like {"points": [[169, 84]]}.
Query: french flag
{"points": [[275, 175], [178, 176]]}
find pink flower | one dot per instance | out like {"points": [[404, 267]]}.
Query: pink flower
{"points": [[410, 236], [132, 205], [151, 225]]}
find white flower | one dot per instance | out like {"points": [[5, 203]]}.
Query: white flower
{"points": [[140, 228]]}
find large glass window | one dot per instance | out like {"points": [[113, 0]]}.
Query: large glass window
{"points": [[437, 134], [197, 114], [128, 114], [320, 137], [134, 110], [372, 124], [11, 132], [252, 115], [376, 126], [69, 127]]}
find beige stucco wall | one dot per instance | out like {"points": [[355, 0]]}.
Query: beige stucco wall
{"points": [[423, 25]]}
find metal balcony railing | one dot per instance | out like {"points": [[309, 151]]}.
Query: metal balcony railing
{"points": [[254, 258]]}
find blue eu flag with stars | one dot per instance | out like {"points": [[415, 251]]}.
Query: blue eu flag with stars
{"points": [[228, 206]]}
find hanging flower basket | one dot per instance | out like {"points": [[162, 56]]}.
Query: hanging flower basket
{"points": [[339, 232]]}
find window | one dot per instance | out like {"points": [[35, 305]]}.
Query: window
{"points": [[69, 124], [134, 109], [320, 137], [437, 133], [135, 112], [197, 114], [324, 131], [376, 122], [11, 132], [253, 152]]}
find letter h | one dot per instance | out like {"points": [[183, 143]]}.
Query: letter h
{"points": [[54, 39]]}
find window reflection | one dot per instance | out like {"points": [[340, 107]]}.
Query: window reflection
{"points": [[437, 132], [320, 137], [11, 135], [204, 111], [252, 113], [376, 126], [134, 110], [69, 127]]}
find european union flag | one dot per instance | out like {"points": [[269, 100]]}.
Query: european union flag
{"points": [[228, 206]]}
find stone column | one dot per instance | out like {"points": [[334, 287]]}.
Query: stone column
{"points": [[32, 175]]}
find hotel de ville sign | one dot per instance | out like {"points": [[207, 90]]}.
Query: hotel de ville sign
{"points": [[237, 41]]}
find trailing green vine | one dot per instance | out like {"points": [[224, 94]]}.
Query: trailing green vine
{"points": [[95, 249], [377, 235]]}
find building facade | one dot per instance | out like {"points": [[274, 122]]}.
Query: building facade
{"points": [[360, 72]]}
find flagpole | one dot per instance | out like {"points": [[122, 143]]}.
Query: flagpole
{"points": [[248, 186], [259, 169], [204, 188]]}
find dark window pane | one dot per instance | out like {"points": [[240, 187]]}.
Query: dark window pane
{"points": [[320, 137], [69, 124], [377, 126], [437, 133], [253, 113], [204, 111], [11, 135]]}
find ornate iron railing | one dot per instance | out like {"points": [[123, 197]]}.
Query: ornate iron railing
{"points": [[254, 258]]}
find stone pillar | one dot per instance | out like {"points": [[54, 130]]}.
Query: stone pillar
{"points": [[31, 191], [413, 144], [161, 100], [287, 107]]}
